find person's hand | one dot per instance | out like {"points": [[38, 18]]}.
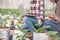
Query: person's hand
{"points": [[39, 22], [52, 17], [47, 18]]}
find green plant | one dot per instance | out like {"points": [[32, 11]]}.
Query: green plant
{"points": [[5, 21], [27, 10], [57, 38], [1, 21], [21, 19], [10, 11], [52, 34], [39, 28], [21, 37]]}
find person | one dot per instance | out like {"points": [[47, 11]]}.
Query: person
{"points": [[29, 22], [37, 9], [35, 16], [57, 11], [50, 20]]}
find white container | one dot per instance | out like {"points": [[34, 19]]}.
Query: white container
{"points": [[27, 39], [40, 36], [5, 35]]}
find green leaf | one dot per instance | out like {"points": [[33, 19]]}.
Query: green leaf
{"points": [[57, 38], [17, 36], [52, 33], [37, 25]]}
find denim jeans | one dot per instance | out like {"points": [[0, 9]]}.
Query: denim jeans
{"points": [[52, 24], [29, 23]]}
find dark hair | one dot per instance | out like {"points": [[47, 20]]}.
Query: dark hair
{"points": [[56, 1]]}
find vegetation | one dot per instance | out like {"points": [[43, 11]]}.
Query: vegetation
{"points": [[53, 35], [39, 29], [21, 37], [10, 11], [27, 10]]}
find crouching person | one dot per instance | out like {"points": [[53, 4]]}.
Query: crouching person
{"points": [[51, 21], [29, 22]]}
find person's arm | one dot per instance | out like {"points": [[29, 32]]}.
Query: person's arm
{"points": [[58, 11], [52, 17], [39, 21], [41, 12]]}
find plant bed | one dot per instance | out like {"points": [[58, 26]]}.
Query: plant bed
{"points": [[40, 36]]}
